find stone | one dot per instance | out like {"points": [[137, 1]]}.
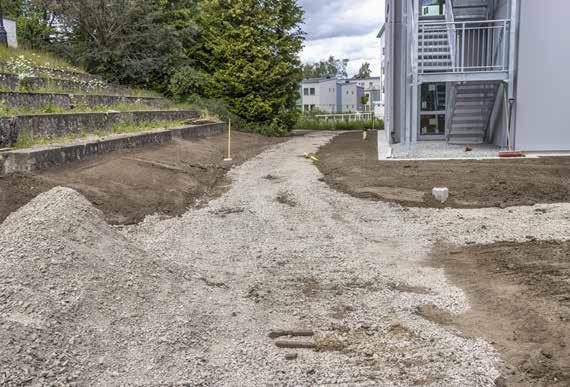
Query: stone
{"points": [[440, 194], [291, 356]]}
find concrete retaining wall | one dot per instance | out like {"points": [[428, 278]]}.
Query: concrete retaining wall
{"points": [[28, 160], [69, 101], [52, 125], [10, 81]]}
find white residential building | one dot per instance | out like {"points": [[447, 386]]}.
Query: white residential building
{"points": [[320, 94], [372, 89], [331, 95], [351, 97]]}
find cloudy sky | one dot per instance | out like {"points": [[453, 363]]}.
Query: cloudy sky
{"points": [[344, 29]]}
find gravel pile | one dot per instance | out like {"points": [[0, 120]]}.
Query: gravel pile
{"points": [[81, 305]]}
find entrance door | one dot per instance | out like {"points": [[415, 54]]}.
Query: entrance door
{"points": [[432, 112]]}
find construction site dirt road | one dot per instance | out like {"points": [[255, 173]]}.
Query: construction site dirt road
{"points": [[281, 280]]}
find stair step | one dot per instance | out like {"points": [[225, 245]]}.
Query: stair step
{"points": [[434, 52], [467, 112], [466, 141], [478, 90], [468, 126], [466, 132], [475, 99], [467, 120], [442, 57]]}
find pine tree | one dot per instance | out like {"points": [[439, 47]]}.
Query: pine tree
{"points": [[249, 50]]}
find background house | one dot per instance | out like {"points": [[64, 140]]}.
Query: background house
{"points": [[332, 95], [472, 72], [372, 89], [321, 94]]}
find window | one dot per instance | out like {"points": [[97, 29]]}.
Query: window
{"points": [[371, 84], [305, 91], [305, 108], [312, 107], [312, 91], [353, 93]]}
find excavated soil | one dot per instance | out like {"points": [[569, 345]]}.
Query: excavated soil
{"points": [[129, 185], [350, 165], [520, 302]]}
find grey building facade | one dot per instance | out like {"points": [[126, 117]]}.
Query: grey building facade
{"points": [[477, 71], [331, 95]]}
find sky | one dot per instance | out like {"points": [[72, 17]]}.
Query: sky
{"points": [[344, 29]]}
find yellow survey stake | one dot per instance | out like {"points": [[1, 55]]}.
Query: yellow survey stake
{"points": [[312, 157]]}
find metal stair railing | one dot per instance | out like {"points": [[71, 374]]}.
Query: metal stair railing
{"points": [[479, 46], [450, 105], [451, 31]]}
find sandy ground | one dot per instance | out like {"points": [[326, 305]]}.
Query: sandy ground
{"points": [[279, 249], [350, 165], [131, 184]]}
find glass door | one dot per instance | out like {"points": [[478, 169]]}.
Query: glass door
{"points": [[432, 111]]}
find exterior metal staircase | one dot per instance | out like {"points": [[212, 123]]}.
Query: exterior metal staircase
{"points": [[466, 10], [471, 108], [471, 103]]}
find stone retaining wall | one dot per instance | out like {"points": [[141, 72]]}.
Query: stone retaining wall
{"points": [[28, 160], [69, 101], [53, 125], [14, 82]]}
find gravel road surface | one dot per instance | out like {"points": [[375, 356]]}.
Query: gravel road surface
{"points": [[279, 250]]}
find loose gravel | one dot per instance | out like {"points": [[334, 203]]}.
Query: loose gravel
{"points": [[443, 150], [193, 299]]}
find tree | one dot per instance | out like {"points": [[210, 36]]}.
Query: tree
{"points": [[36, 20], [126, 41], [364, 72], [249, 49], [364, 99], [332, 67]]}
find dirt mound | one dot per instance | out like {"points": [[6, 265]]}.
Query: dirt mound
{"points": [[129, 185], [79, 303], [351, 165]]}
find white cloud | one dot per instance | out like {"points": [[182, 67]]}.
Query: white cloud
{"points": [[358, 49], [344, 29]]}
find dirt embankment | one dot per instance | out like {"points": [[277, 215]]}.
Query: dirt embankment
{"points": [[520, 298], [350, 165], [129, 185]]}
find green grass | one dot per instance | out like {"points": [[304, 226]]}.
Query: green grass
{"points": [[53, 88], [83, 108], [18, 57], [313, 124], [28, 141]]}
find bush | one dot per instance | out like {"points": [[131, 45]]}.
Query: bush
{"points": [[187, 81], [313, 124]]}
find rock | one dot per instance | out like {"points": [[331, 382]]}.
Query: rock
{"points": [[294, 344], [291, 356], [440, 194], [290, 332]]}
